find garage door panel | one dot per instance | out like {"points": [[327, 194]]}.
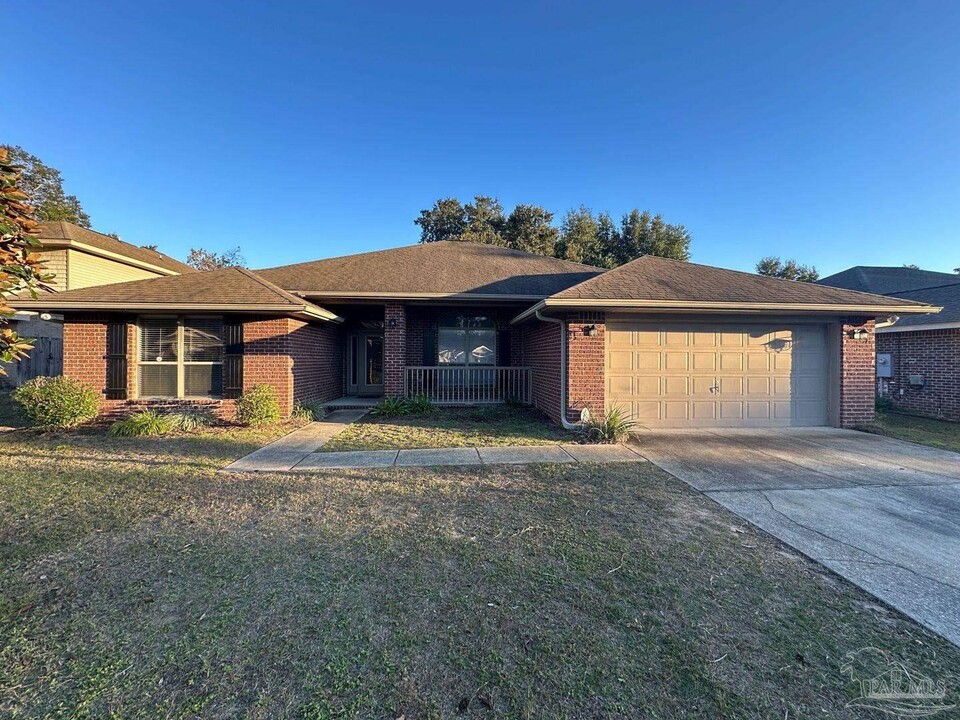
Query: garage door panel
{"points": [[758, 386], [757, 362], [721, 375], [679, 410], [702, 361], [676, 386], [676, 360], [731, 361], [731, 386], [704, 410], [620, 360], [647, 360], [758, 410], [644, 386]]}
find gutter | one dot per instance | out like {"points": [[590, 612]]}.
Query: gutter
{"points": [[725, 307], [563, 371]]}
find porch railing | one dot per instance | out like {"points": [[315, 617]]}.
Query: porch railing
{"points": [[471, 385]]}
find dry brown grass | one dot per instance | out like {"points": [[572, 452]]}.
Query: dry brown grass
{"points": [[138, 581], [494, 425]]}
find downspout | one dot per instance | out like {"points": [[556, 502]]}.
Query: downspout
{"points": [[563, 371]]}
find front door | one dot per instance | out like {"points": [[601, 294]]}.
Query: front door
{"points": [[369, 360]]}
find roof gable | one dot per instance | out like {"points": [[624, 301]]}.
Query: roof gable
{"points": [[57, 232], [439, 269], [657, 279], [226, 289]]}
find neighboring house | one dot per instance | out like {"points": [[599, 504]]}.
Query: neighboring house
{"points": [[920, 354], [674, 343], [80, 258]]}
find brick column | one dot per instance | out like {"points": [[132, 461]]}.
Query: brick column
{"points": [[586, 386], [266, 358], [857, 373], [394, 348]]}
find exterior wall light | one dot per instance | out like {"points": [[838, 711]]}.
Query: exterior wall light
{"points": [[392, 322], [591, 331], [859, 334]]}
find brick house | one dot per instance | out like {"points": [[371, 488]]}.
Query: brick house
{"points": [[672, 343], [78, 258], [919, 368]]}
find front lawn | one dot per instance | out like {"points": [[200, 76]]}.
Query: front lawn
{"points": [[451, 427], [926, 431], [139, 581], [9, 413]]}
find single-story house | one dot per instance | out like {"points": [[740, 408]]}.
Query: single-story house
{"points": [[918, 368], [77, 258], [672, 343]]}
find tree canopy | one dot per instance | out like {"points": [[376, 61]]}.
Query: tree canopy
{"points": [[21, 270], [789, 270], [582, 237], [206, 260], [43, 185]]}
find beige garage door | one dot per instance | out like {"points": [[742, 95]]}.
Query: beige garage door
{"points": [[711, 375]]}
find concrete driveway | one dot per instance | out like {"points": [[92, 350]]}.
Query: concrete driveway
{"points": [[882, 513]]}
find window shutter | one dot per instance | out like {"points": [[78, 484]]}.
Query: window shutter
{"points": [[503, 347], [430, 345], [116, 380], [232, 359]]}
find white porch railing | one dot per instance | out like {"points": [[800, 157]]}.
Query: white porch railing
{"points": [[470, 385]]}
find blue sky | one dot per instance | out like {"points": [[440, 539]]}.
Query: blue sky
{"points": [[825, 131]]}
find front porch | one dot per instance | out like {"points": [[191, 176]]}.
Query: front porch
{"points": [[453, 355]]}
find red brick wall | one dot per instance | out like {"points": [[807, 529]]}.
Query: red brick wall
{"points": [[934, 354], [394, 348], [857, 373], [301, 361], [266, 358], [317, 350], [586, 387], [541, 351]]}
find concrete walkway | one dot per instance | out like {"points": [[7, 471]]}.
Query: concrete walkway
{"points": [[882, 513], [295, 454]]}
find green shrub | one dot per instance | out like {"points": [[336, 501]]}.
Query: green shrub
{"points": [[145, 422], [190, 419], [611, 427], [258, 406], [883, 403], [420, 405], [391, 407], [57, 401], [313, 410]]}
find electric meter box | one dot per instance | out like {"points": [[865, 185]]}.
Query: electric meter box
{"points": [[884, 365]]}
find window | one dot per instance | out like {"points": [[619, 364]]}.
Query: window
{"points": [[466, 340], [181, 357]]}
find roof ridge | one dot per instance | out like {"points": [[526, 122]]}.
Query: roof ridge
{"points": [[925, 287], [426, 245], [276, 289]]}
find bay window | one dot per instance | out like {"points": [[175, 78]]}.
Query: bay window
{"points": [[181, 357], [466, 340]]}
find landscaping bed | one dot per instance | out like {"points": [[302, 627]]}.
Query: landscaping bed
{"points": [[138, 580], [491, 425], [925, 431]]}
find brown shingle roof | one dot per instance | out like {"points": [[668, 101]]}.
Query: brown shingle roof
{"points": [[657, 279], [229, 288], [60, 231], [440, 268]]}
